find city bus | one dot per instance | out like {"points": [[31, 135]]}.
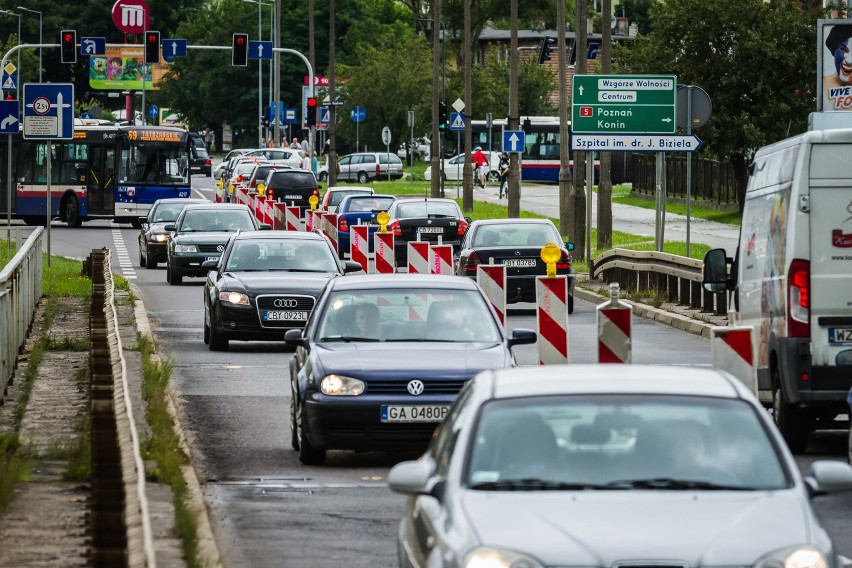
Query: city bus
{"points": [[540, 160], [105, 172]]}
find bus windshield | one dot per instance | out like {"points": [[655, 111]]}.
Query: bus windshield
{"points": [[158, 163]]}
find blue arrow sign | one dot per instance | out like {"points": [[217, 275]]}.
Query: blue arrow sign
{"points": [[48, 111], [9, 122], [260, 49], [153, 111], [324, 115], [290, 116], [10, 83], [173, 48], [513, 141], [92, 46], [456, 121], [358, 114], [635, 142]]}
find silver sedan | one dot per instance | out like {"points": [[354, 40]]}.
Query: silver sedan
{"points": [[611, 465]]}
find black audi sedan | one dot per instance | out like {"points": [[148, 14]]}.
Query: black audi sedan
{"points": [[200, 234], [153, 237], [432, 219], [516, 244], [383, 357]]}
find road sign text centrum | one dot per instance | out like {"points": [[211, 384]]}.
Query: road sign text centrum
{"points": [[623, 103]]}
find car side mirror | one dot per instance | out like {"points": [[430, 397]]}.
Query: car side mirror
{"points": [[210, 264], [169, 228], [829, 476], [715, 271], [521, 336], [569, 245], [412, 477], [352, 266], [295, 337], [469, 220]]}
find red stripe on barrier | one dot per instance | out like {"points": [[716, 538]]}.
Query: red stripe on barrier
{"points": [[605, 354], [740, 342], [619, 317], [551, 329]]}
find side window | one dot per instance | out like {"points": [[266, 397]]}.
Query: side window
{"points": [[345, 160], [448, 434], [368, 159]]}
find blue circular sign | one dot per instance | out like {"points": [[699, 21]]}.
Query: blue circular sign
{"points": [[153, 110], [358, 114]]}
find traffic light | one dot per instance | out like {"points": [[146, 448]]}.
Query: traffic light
{"points": [[442, 115], [311, 118], [264, 120], [239, 53], [152, 47], [68, 41], [545, 48]]}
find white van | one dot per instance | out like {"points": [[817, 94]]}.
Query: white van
{"points": [[792, 278]]}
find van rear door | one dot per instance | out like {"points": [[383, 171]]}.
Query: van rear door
{"points": [[830, 294]]}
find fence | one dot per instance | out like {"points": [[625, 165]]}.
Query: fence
{"points": [[711, 180], [20, 290]]}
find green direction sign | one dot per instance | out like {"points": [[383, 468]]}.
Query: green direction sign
{"points": [[623, 103]]}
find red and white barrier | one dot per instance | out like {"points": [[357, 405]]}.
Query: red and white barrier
{"points": [[492, 279], [551, 295], [359, 246], [614, 329], [441, 259], [260, 208], [329, 229], [316, 220], [418, 257], [251, 202], [385, 257], [292, 218], [269, 213], [732, 349]]}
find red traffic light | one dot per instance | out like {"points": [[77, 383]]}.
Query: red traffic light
{"points": [[240, 40], [9, 97], [68, 38], [312, 102]]}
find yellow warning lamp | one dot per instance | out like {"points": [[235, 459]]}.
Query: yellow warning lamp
{"points": [[261, 190], [313, 200], [221, 183], [383, 219], [550, 253]]}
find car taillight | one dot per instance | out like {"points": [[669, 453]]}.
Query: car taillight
{"points": [[394, 228], [239, 178], [798, 304], [342, 224], [471, 262], [462, 227], [563, 263], [207, 162], [269, 194], [315, 192]]}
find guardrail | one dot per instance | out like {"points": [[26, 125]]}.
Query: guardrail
{"points": [[121, 531], [678, 277], [20, 290]]}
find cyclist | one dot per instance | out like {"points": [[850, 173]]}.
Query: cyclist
{"points": [[480, 159]]}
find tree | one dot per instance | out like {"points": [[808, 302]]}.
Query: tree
{"points": [[754, 59]]}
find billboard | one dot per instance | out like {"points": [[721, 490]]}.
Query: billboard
{"points": [[120, 69], [834, 60]]}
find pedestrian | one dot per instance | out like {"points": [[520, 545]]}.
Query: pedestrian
{"points": [[294, 145], [306, 161], [271, 143], [208, 139], [503, 170], [480, 159], [314, 163], [305, 146]]}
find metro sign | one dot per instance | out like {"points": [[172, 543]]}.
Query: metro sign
{"points": [[131, 16]]}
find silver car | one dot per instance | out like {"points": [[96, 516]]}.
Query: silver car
{"points": [[611, 465]]}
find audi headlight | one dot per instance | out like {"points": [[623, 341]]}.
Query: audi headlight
{"points": [[496, 558], [338, 385], [794, 557], [160, 237], [236, 298], [186, 248]]}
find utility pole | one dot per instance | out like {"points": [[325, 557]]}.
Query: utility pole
{"points": [[435, 189], [577, 201], [514, 186], [276, 67], [604, 240], [467, 192], [332, 152], [564, 134], [312, 59]]}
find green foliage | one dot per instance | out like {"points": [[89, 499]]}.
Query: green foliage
{"points": [[63, 278]]}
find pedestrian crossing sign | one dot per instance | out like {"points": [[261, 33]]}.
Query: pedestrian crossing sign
{"points": [[456, 121], [10, 83]]}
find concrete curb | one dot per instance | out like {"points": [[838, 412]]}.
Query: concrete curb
{"points": [[208, 551]]}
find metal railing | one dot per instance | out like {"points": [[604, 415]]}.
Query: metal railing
{"points": [[678, 277], [20, 290]]}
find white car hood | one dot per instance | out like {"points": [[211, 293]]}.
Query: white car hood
{"points": [[599, 528]]}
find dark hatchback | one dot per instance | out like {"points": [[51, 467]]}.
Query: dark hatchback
{"points": [[383, 357], [153, 238], [201, 233], [293, 187], [516, 244], [432, 219], [199, 158], [265, 283]]}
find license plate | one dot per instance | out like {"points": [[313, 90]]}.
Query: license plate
{"points": [[520, 262], [285, 316], [431, 229], [292, 197], [840, 335], [411, 413], [206, 258]]}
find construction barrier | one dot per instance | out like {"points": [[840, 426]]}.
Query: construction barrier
{"points": [[418, 257], [732, 350], [260, 208], [359, 246], [492, 279], [316, 219], [241, 197], [220, 192], [441, 259], [614, 320], [292, 218], [329, 229], [385, 257], [551, 295], [269, 213]]}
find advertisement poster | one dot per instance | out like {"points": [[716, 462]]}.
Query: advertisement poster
{"points": [[120, 69]]}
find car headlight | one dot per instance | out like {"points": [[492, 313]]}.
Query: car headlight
{"points": [[793, 557], [338, 385], [160, 237], [186, 248], [236, 298], [496, 558]]}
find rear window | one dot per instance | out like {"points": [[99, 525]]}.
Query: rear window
{"points": [[337, 196], [394, 159], [262, 171], [293, 178], [427, 209]]}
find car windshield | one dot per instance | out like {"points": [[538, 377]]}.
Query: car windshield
{"points": [[427, 209], [292, 255], [166, 212], [622, 442], [369, 204], [337, 196], [516, 235], [212, 220], [408, 315]]}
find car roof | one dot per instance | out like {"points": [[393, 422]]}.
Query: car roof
{"points": [[427, 200], [218, 206], [404, 280], [613, 379], [364, 188], [522, 221], [187, 200]]}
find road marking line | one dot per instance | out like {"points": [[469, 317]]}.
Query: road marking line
{"points": [[846, 561], [124, 262]]}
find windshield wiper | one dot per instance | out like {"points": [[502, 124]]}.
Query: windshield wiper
{"points": [[669, 483], [349, 338], [533, 484]]}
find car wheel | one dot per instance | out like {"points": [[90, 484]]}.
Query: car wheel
{"points": [[570, 304], [493, 176], [72, 212], [789, 420], [136, 224], [141, 258], [308, 454], [294, 429], [216, 341], [173, 277], [363, 177], [206, 332]]}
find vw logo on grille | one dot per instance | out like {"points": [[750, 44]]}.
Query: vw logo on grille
{"points": [[285, 303], [220, 248], [415, 387]]}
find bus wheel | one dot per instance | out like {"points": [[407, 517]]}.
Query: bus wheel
{"points": [[72, 212]]}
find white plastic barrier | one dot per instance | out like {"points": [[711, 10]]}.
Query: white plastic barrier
{"points": [[551, 296], [614, 329]]}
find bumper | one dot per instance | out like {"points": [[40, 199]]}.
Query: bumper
{"points": [[158, 251], [242, 323], [826, 387], [190, 264]]}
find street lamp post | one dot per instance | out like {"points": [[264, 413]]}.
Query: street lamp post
{"points": [[39, 36]]}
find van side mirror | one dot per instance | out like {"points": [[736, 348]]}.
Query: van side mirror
{"points": [[569, 245], [715, 271]]}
